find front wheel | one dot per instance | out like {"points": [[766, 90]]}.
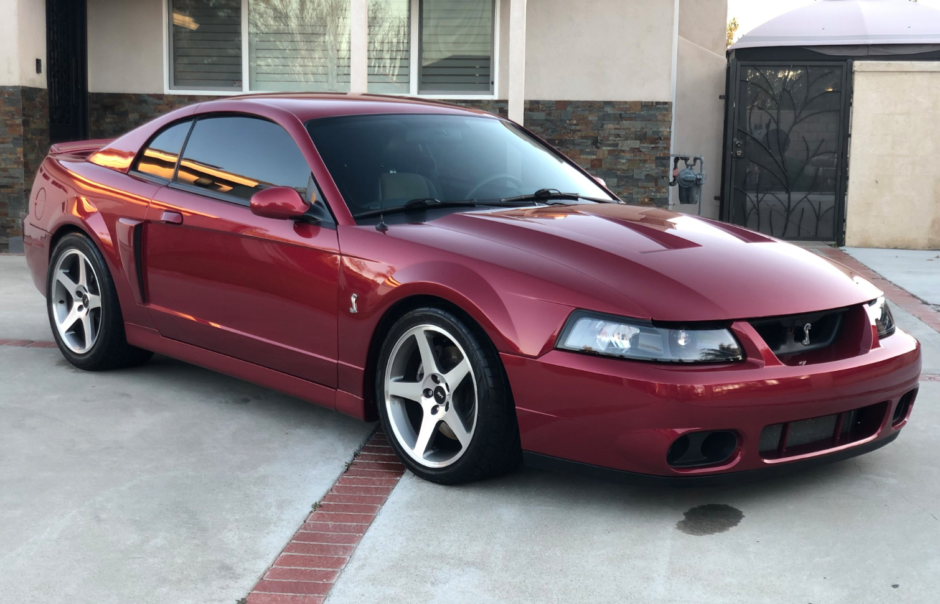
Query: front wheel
{"points": [[444, 401]]}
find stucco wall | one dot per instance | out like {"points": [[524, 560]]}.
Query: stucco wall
{"points": [[22, 41], [894, 178], [700, 81], [599, 50], [125, 46]]}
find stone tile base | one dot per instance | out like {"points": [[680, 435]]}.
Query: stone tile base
{"points": [[624, 142], [24, 141]]}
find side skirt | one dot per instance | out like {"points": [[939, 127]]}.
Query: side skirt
{"points": [[150, 339]]}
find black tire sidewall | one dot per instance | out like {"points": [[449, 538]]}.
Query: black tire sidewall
{"points": [[494, 402]]}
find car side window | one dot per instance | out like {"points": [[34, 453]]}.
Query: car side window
{"points": [[238, 156], [159, 157]]}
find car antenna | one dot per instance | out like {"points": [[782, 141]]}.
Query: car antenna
{"points": [[381, 226]]}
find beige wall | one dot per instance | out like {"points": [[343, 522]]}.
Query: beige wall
{"points": [[125, 46], [22, 41], [894, 176], [700, 81], [611, 50]]}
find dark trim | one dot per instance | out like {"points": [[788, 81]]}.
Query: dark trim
{"points": [[139, 260], [848, 88], [801, 54], [556, 464], [731, 99]]}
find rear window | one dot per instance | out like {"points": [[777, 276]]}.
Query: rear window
{"points": [[238, 156], [159, 157]]}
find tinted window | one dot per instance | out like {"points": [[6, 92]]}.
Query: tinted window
{"points": [[238, 156], [159, 158], [389, 160]]}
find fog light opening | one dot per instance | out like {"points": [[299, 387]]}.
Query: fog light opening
{"points": [[903, 408], [719, 446], [698, 449], [678, 450]]}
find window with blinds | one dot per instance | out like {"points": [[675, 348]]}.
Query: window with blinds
{"points": [[389, 46], [304, 45], [456, 46], [205, 44], [298, 45]]}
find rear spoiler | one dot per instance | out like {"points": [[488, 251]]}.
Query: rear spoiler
{"points": [[79, 148]]}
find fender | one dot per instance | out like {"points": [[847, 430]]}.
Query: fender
{"points": [[507, 318]]}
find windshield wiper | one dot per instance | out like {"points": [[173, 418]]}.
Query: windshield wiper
{"points": [[422, 203], [546, 194]]}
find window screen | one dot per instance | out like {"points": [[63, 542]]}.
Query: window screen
{"points": [[389, 52], [456, 46], [299, 45], [205, 44], [159, 158], [239, 156]]}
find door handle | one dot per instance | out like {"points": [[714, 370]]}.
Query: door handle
{"points": [[170, 217]]}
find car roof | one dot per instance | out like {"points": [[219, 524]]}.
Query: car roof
{"points": [[307, 106]]}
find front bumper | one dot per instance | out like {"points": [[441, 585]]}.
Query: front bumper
{"points": [[624, 415]]}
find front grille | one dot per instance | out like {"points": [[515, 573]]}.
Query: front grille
{"points": [[820, 433], [814, 337]]}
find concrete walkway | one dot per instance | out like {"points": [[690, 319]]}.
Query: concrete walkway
{"points": [[161, 484], [917, 271]]}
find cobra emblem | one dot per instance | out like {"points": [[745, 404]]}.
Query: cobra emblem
{"points": [[806, 329]]}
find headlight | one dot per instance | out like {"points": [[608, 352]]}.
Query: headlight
{"points": [[630, 339], [880, 313]]}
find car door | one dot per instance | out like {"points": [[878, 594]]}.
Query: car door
{"points": [[217, 276]]}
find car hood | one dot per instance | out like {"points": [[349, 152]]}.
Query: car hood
{"points": [[670, 266]]}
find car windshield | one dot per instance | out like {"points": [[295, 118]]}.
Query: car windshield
{"points": [[386, 161]]}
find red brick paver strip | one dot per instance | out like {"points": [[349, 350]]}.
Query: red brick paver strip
{"points": [[306, 569], [899, 296], [27, 344]]}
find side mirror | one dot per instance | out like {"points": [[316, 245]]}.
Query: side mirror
{"points": [[278, 202]]}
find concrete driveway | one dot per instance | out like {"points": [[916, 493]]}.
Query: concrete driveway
{"points": [[165, 483], [171, 484]]}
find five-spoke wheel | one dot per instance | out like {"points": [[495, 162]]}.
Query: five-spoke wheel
{"points": [[431, 398], [76, 301], [443, 399]]}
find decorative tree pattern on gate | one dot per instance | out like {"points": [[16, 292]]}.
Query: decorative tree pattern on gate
{"points": [[786, 150]]}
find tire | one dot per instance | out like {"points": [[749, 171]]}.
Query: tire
{"points": [[446, 428], [83, 308]]}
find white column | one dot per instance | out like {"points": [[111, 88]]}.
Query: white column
{"points": [[359, 46], [517, 10]]}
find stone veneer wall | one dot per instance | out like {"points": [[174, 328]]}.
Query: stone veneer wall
{"points": [[24, 142], [111, 114], [624, 142]]}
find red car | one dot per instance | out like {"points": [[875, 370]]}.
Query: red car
{"points": [[448, 273]]}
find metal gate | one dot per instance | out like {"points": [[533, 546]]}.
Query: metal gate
{"points": [[786, 149], [67, 70]]}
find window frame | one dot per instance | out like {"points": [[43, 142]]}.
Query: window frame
{"points": [[414, 17], [313, 194]]}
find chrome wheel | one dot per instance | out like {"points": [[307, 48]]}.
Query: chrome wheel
{"points": [[76, 301], [431, 396]]}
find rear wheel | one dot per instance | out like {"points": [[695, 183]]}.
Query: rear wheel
{"points": [[444, 401], [84, 311]]}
